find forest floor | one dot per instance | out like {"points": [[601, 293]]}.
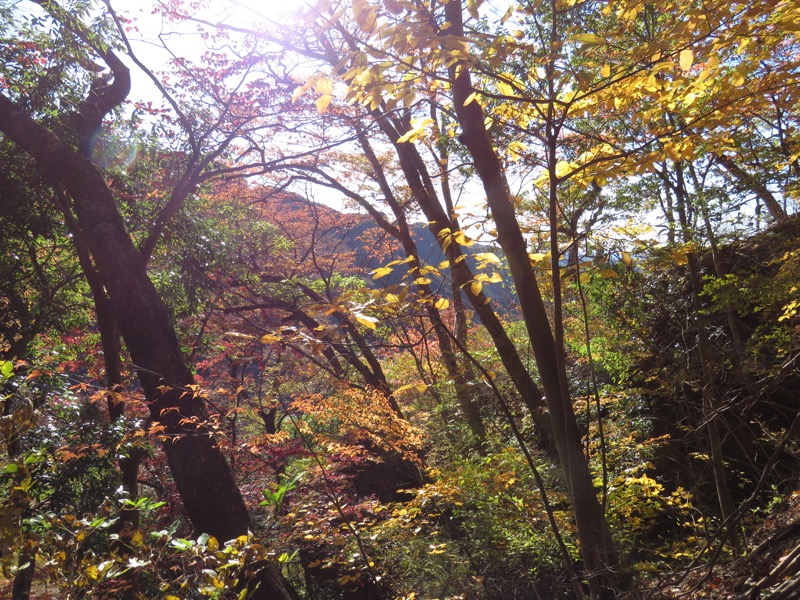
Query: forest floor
{"points": [[768, 570]]}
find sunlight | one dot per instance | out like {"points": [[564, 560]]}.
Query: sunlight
{"points": [[274, 11]]}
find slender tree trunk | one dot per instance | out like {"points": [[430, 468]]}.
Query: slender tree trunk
{"points": [[749, 182], [461, 377], [710, 404], [601, 561]]}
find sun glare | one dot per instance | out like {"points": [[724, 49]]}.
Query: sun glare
{"points": [[275, 11]]}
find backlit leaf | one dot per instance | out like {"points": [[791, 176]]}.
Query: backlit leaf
{"points": [[686, 59], [588, 38], [366, 321]]}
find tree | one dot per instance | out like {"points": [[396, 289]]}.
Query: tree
{"points": [[204, 479]]}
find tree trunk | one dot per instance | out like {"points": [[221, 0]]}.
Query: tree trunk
{"points": [[600, 558], [414, 171], [204, 479], [709, 388], [747, 181]]}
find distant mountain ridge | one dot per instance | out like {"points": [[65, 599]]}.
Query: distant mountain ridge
{"points": [[371, 247]]}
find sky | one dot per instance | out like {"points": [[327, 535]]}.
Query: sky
{"points": [[153, 29]]}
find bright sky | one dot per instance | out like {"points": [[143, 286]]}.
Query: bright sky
{"points": [[182, 39]]}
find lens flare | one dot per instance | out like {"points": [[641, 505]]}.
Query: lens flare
{"points": [[111, 150]]}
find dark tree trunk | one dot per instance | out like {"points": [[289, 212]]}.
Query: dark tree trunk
{"points": [[204, 479], [749, 182], [600, 558], [415, 173]]}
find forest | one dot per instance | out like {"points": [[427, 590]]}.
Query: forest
{"points": [[400, 299]]}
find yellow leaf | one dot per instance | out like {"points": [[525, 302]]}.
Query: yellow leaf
{"points": [[737, 79], [401, 261], [588, 38], [626, 258], [609, 274], [461, 239], [537, 257], [442, 303], [418, 129], [366, 321], [427, 270], [504, 88], [680, 258], [585, 277], [475, 287], [380, 272], [605, 71], [487, 258], [323, 85], [323, 102], [563, 168], [270, 339], [686, 59], [471, 98], [410, 386]]}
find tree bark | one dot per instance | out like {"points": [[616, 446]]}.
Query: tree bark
{"points": [[749, 182], [415, 174], [601, 562], [203, 477]]}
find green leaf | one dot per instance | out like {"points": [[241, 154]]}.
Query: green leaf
{"points": [[182, 544], [6, 368]]}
